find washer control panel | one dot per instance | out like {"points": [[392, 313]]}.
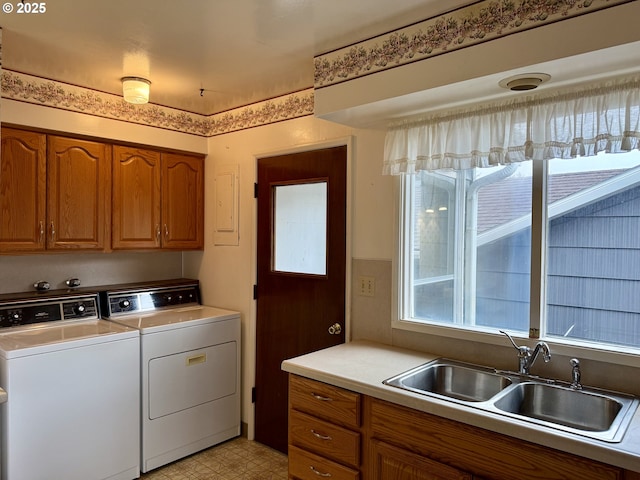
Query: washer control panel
{"points": [[13, 314]]}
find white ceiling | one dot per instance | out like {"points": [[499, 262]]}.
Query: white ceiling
{"points": [[238, 51]]}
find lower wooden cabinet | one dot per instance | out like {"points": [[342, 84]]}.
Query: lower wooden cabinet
{"points": [[305, 465], [339, 435], [324, 431], [470, 449], [393, 463], [334, 442]]}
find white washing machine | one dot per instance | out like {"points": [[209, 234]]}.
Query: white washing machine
{"points": [[190, 367], [72, 393]]}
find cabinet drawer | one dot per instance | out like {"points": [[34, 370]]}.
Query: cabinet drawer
{"points": [[308, 466], [325, 439], [326, 401]]}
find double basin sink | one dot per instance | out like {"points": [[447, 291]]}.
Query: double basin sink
{"points": [[590, 412]]}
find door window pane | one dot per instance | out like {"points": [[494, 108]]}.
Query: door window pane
{"points": [[300, 228]]}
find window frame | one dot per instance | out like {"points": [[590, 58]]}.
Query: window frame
{"points": [[401, 276]]}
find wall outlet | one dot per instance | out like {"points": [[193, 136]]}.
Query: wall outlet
{"points": [[366, 286]]}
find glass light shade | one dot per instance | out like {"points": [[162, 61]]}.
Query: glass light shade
{"points": [[135, 90]]}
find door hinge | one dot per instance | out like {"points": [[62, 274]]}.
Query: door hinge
{"points": [[255, 190], [255, 292], [253, 395]]}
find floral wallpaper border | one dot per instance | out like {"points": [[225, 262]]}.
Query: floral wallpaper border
{"points": [[481, 22], [49, 93]]}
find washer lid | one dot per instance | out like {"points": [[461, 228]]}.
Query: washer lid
{"points": [[176, 318], [49, 337]]}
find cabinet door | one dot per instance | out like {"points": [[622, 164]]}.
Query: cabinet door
{"points": [[182, 201], [22, 191], [136, 198], [392, 463], [79, 181]]}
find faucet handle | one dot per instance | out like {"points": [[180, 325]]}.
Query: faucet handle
{"points": [[521, 349]]}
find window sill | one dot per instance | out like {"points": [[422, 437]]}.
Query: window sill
{"points": [[600, 353]]}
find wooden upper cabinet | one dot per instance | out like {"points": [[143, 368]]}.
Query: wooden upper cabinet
{"points": [[22, 191], [182, 201], [136, 198], [78, 187], [62, 193], [158, 200]]}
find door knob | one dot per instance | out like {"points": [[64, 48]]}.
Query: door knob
{"points": [[335, 329]]}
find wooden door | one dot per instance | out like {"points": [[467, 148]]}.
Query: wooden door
{"points": [[182, 201], [78, 186], [297, 308], [23, 190], [136, 198]]}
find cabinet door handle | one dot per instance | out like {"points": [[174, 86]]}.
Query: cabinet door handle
{"points": [[321, 398], [319, 473], [158, 233], [320, 436], [41, 231], [53, 232], [166, 232]]}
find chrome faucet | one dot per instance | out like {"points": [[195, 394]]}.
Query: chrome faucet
{"points": [[575, 374], [526, 356]]}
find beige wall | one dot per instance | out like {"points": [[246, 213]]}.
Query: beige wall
{"points": [[227, 273]]}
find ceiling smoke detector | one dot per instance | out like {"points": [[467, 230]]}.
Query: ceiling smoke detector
{"points": [[525, 81]]}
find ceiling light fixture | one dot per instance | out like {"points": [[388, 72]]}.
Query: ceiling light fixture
{"points": [[526, 81], [135, 90]]}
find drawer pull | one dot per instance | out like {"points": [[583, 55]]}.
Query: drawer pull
{"points": [[319, 473], [319, 435], [321, 398]]}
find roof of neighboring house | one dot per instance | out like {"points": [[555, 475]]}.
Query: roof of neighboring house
{"points": [[510, 200]]}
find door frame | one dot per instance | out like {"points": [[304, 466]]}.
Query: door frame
{"points": [[251, 331]]}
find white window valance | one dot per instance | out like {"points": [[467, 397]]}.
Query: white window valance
{"points": [[582, 122]]}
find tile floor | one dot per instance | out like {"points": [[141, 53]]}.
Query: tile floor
{"points": [[237, 459]]}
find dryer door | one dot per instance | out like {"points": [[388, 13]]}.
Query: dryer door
{"points": [[187, 379]]}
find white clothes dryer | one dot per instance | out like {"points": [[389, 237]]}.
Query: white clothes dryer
{"points": [[72, 390], [190, 367]]}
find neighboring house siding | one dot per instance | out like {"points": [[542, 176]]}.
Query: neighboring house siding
{"points": [[594, 270], [593, 273], [502, 283]]}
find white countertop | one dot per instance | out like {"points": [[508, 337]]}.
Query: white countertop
{"points": [[361, 367]]}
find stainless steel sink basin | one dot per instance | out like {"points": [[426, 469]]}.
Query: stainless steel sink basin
{"points": [[460, 381], [592, 412]]}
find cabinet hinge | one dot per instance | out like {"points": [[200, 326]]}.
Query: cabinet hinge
{"points": [[255, 292], [253, 395], [255, 190]]}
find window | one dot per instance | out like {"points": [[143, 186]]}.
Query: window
{"points": [[470, 249]]}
